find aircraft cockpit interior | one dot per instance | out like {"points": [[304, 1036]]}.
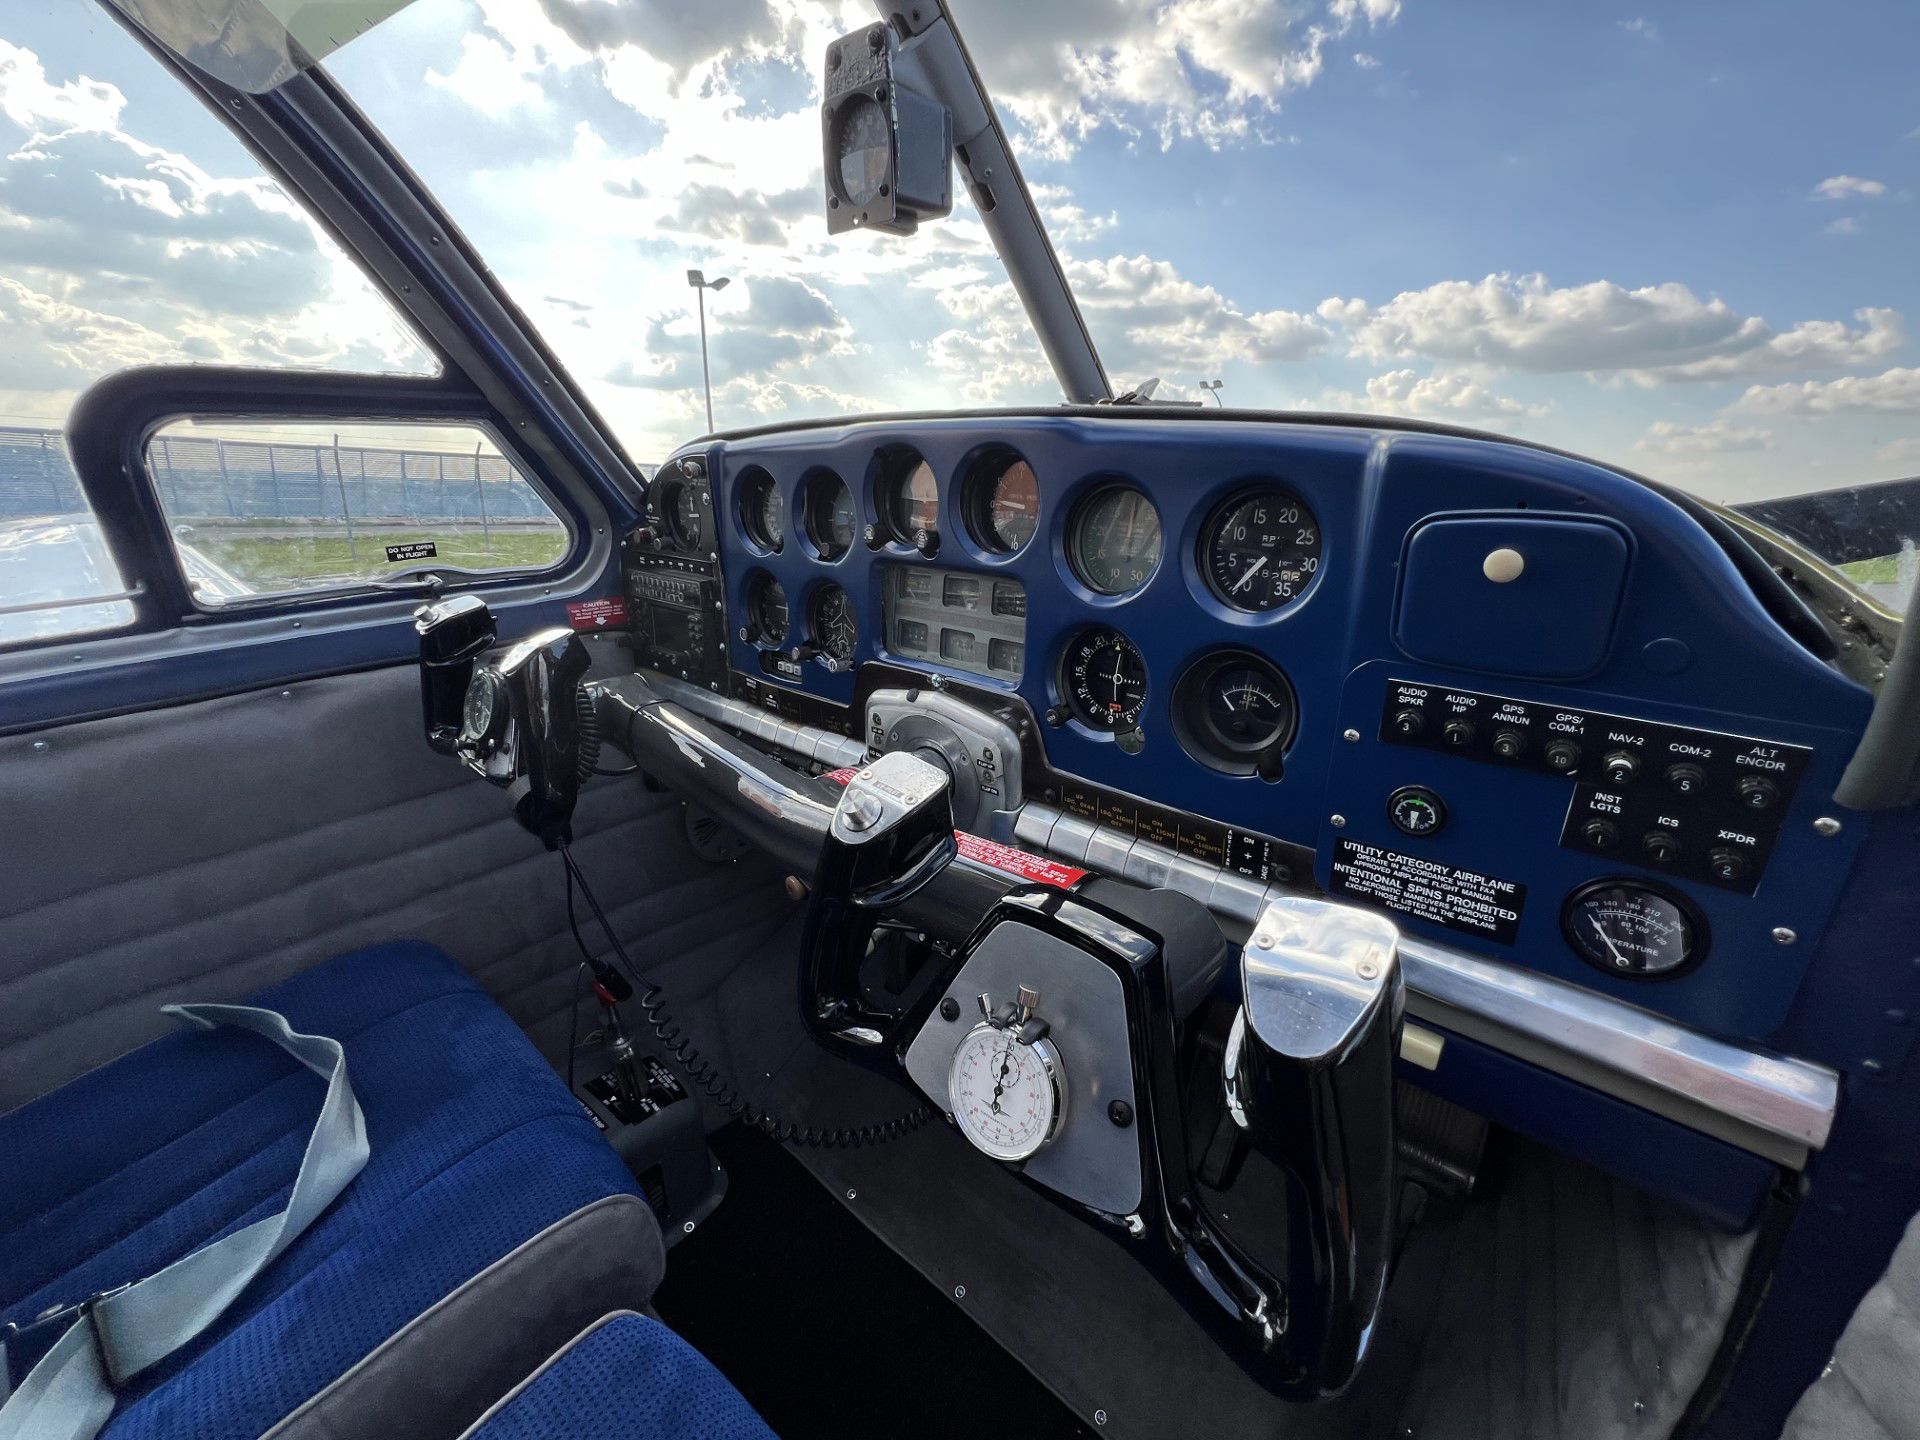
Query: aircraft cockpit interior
{"points": [[984, 893]]}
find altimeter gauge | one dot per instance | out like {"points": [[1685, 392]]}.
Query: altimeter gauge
{"points": [[1005, 1085]]}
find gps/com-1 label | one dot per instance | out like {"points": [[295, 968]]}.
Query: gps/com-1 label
{"points": [[1431, 890]]}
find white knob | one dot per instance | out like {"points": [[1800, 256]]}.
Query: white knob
{"points": [[1503, 566]]}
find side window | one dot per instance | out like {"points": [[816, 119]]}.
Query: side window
{"points": [[135, 230], [263, 510]]}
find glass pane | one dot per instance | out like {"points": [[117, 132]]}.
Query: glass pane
{"points": [[289, 507], [51, 552]]}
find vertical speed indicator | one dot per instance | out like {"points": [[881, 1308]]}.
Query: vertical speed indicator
{"points": [[1260, 551]]}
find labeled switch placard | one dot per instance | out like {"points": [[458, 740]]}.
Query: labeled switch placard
{"points": [[1697, 803]]}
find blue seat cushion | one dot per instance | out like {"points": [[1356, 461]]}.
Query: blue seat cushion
{"points": [[476, 1147], [628, 1378]]}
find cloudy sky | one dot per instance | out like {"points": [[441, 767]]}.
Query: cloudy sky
{"points": [[1681, 237]]}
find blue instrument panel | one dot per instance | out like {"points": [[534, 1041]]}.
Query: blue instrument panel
{"points": [[1541, 597]]}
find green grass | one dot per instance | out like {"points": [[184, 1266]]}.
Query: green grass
{"points": [[271, 562], [1881, 570]]}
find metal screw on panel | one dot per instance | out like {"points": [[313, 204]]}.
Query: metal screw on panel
{"points": [[1339, 822], [1826, 825], [1099, 1417], [853, 1194], [1263, 940], [687, 1228], [949, 1009], [1120, 1113], [959, 1292], [1782, 935], [1369, 970], [41, 747], [1352, 737], [286, 694]]}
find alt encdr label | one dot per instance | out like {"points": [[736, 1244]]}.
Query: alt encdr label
{"points": [[1463, 900]]}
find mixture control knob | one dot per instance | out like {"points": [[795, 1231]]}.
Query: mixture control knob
{"points": [[1686, 778], [1622, 767], [1601, 834], [1509, 744], [1659, 846], [1727, 863], [1756, 792], [1562, 755], [1408, 723], [1458, 733]]}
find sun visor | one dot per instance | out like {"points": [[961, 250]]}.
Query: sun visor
{"points": [[254, 45]]}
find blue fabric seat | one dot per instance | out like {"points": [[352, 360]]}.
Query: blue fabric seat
{"points": [[627, 1378], [476, 1147]]}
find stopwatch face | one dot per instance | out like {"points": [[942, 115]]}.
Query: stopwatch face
{"points": [[1007, 1097]]}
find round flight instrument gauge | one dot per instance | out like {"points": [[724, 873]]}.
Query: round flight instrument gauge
{"points": [[1634, 929], [1008, 1098], [1002, 500], [1113, 541], [834, 625], [910, 501], [770, 619], [1235, 713], [1260, 551], [1104, 679], [862, 150], [829, 515], [680, 515], [763, 512]]}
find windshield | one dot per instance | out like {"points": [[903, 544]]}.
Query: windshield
{"points": [[1680, 241]]}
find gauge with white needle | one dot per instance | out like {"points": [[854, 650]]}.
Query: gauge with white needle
{"points": [[1634, 928], [1261, 550], [1007, 1095]]}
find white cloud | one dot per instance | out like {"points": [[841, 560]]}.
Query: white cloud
{"points": [[1642, 27], [1366, 61], [1718, 437], [33, 102], [1903, 452], [1848, 187], [1892, 392], [1653, 334], [1845, 225], [1449, 395]]}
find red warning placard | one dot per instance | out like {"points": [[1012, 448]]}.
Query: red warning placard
{"points": [[1023, 863], [603, 613]]}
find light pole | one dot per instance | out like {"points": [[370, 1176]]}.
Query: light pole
{"points": [[700, 282], [1213, 385]]}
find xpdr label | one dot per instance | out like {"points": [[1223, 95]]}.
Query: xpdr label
{"points": [[1433, 890]]}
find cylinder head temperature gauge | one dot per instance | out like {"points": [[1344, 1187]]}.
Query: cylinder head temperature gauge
{"points": [[1005, 1084], [1633, 929]]}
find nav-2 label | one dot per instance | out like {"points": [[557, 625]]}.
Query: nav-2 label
{"points": [[1433, 890]]}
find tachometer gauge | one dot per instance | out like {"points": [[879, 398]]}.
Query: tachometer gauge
{"points": [[763, 513], [1002, 500], [1259, 552], [829, 515], [767, 609], [1008, 1097], [834, 625], [1104, 679], [910, 500], [1114, 540], [685, 518], [1632, 928]]}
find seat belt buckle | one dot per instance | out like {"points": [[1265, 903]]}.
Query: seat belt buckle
{"points": [[72, 1313]]}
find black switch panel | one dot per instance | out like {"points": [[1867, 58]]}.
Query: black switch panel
{"points": [[671, 575], [1695, 803]]}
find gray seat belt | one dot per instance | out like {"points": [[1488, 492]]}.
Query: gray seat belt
{"points": [[69, 1395]]}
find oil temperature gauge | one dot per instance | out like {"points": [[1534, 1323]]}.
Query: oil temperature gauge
{"points": [[1005, 1085], [1631, 928]]}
